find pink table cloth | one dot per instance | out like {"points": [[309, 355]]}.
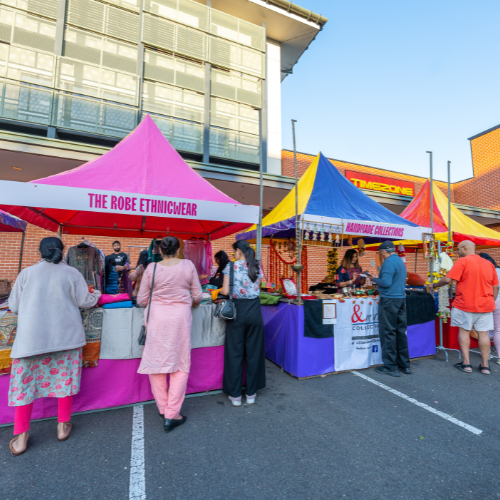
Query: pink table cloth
{"points": [[115, 382]]}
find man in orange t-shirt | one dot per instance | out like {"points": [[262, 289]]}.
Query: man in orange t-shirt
{"points": [[476, 292]]}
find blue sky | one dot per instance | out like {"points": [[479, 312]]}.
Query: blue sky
{"points": [[387, 80]]}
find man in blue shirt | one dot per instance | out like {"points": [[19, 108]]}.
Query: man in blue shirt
{"points": [[392, 312]]}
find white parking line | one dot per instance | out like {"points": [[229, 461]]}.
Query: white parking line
{"points": [[451, 419], [137, 488]]}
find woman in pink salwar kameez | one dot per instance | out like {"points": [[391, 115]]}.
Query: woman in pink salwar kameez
{"points": [[168, 342]]}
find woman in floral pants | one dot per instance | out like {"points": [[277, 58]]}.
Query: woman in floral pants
{"points": [[47, 351]]}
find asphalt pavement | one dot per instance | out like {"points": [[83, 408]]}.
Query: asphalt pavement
{"points": [[334, 437]]}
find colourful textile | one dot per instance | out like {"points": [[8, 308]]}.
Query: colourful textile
{"points": [[119, 305], [168, 343], [53, 375], [87, 261], [92, 324], [8, 330], [22, 417], [169, 399], [112, 282], [244, 287], [475, 279], [154, 254], [107, 298]]}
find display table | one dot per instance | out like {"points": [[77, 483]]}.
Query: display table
{"points": [[298, 341], [115, 381]]}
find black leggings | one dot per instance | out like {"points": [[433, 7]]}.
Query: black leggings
{"points": [[244, 341]]}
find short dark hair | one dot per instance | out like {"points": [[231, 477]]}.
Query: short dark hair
{"points": [[51, 249], [115, 242], [169, 246]]}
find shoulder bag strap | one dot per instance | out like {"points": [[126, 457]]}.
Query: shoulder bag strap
{"points": [[231, 281], [151, 292]]}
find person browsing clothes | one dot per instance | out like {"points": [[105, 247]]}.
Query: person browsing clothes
{"points": [[167, 353], [476, 293], [392, 322], [244, 344], [47, 351], [222, 260]]}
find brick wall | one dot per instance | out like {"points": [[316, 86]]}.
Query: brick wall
{"points": [[483, 189], [10, 244]]}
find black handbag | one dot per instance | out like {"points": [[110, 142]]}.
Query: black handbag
{"points": [[226, 308], [142, 335]]}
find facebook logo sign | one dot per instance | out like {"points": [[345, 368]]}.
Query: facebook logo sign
{"points": [[375, 348]]}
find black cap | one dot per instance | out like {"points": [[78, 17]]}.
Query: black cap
{"points": [[387, 245]]}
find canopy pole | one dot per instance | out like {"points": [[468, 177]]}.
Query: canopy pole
{"points": [[21, 253], [416, 255], [449, 203], [298, 232], [431, 197]]}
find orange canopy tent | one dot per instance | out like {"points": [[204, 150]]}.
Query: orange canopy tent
{"points": [[462, 227]]}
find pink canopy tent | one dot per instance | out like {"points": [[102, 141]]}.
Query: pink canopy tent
{"points": [[141, 188]]}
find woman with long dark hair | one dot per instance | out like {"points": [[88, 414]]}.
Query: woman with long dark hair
{"points": [[348, 273], [496, 312], [222, 260], [142, 263], [167, 352], [245, 336], [47, 351]]}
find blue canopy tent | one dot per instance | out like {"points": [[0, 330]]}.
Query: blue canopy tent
{"points": [[330, 203]]}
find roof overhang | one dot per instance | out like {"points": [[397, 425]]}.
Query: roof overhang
{"points": [[290, 25]]}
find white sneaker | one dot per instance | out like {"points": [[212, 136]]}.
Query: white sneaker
{"points": [[498, 361], [251, 399], [235, 401]]}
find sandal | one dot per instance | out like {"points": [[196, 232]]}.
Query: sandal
{"points": [[69, 432], [13, 451], [462, 367], [485, 368]]}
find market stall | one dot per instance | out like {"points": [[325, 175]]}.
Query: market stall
{"points": [[448, 221], [141, 188], [332, 212], [304, 344]]}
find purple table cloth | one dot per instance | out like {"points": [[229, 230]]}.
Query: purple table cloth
{"points": [[306, 357]]}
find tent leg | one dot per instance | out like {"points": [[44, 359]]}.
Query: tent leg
{"points": [[21, 253]]}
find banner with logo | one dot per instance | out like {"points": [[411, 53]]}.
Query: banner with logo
{"points": [[356, 337]]}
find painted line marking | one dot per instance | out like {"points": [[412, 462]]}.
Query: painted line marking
{"points": [[137, 488], [451, 419]]}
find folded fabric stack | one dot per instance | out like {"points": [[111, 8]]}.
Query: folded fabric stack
{"points": [[92, 324], [118, 301], [8, 330]]}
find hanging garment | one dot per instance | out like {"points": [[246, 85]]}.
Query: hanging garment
{"points": [[86, 260], [194, 250], [154, 253], [92, 324]]}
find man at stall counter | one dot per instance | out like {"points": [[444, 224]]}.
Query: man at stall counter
{"points": [[392, 312], [476, 292], [114, 262]]}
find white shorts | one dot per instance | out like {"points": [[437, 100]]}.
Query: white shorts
{"points": [[482, 322]]}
